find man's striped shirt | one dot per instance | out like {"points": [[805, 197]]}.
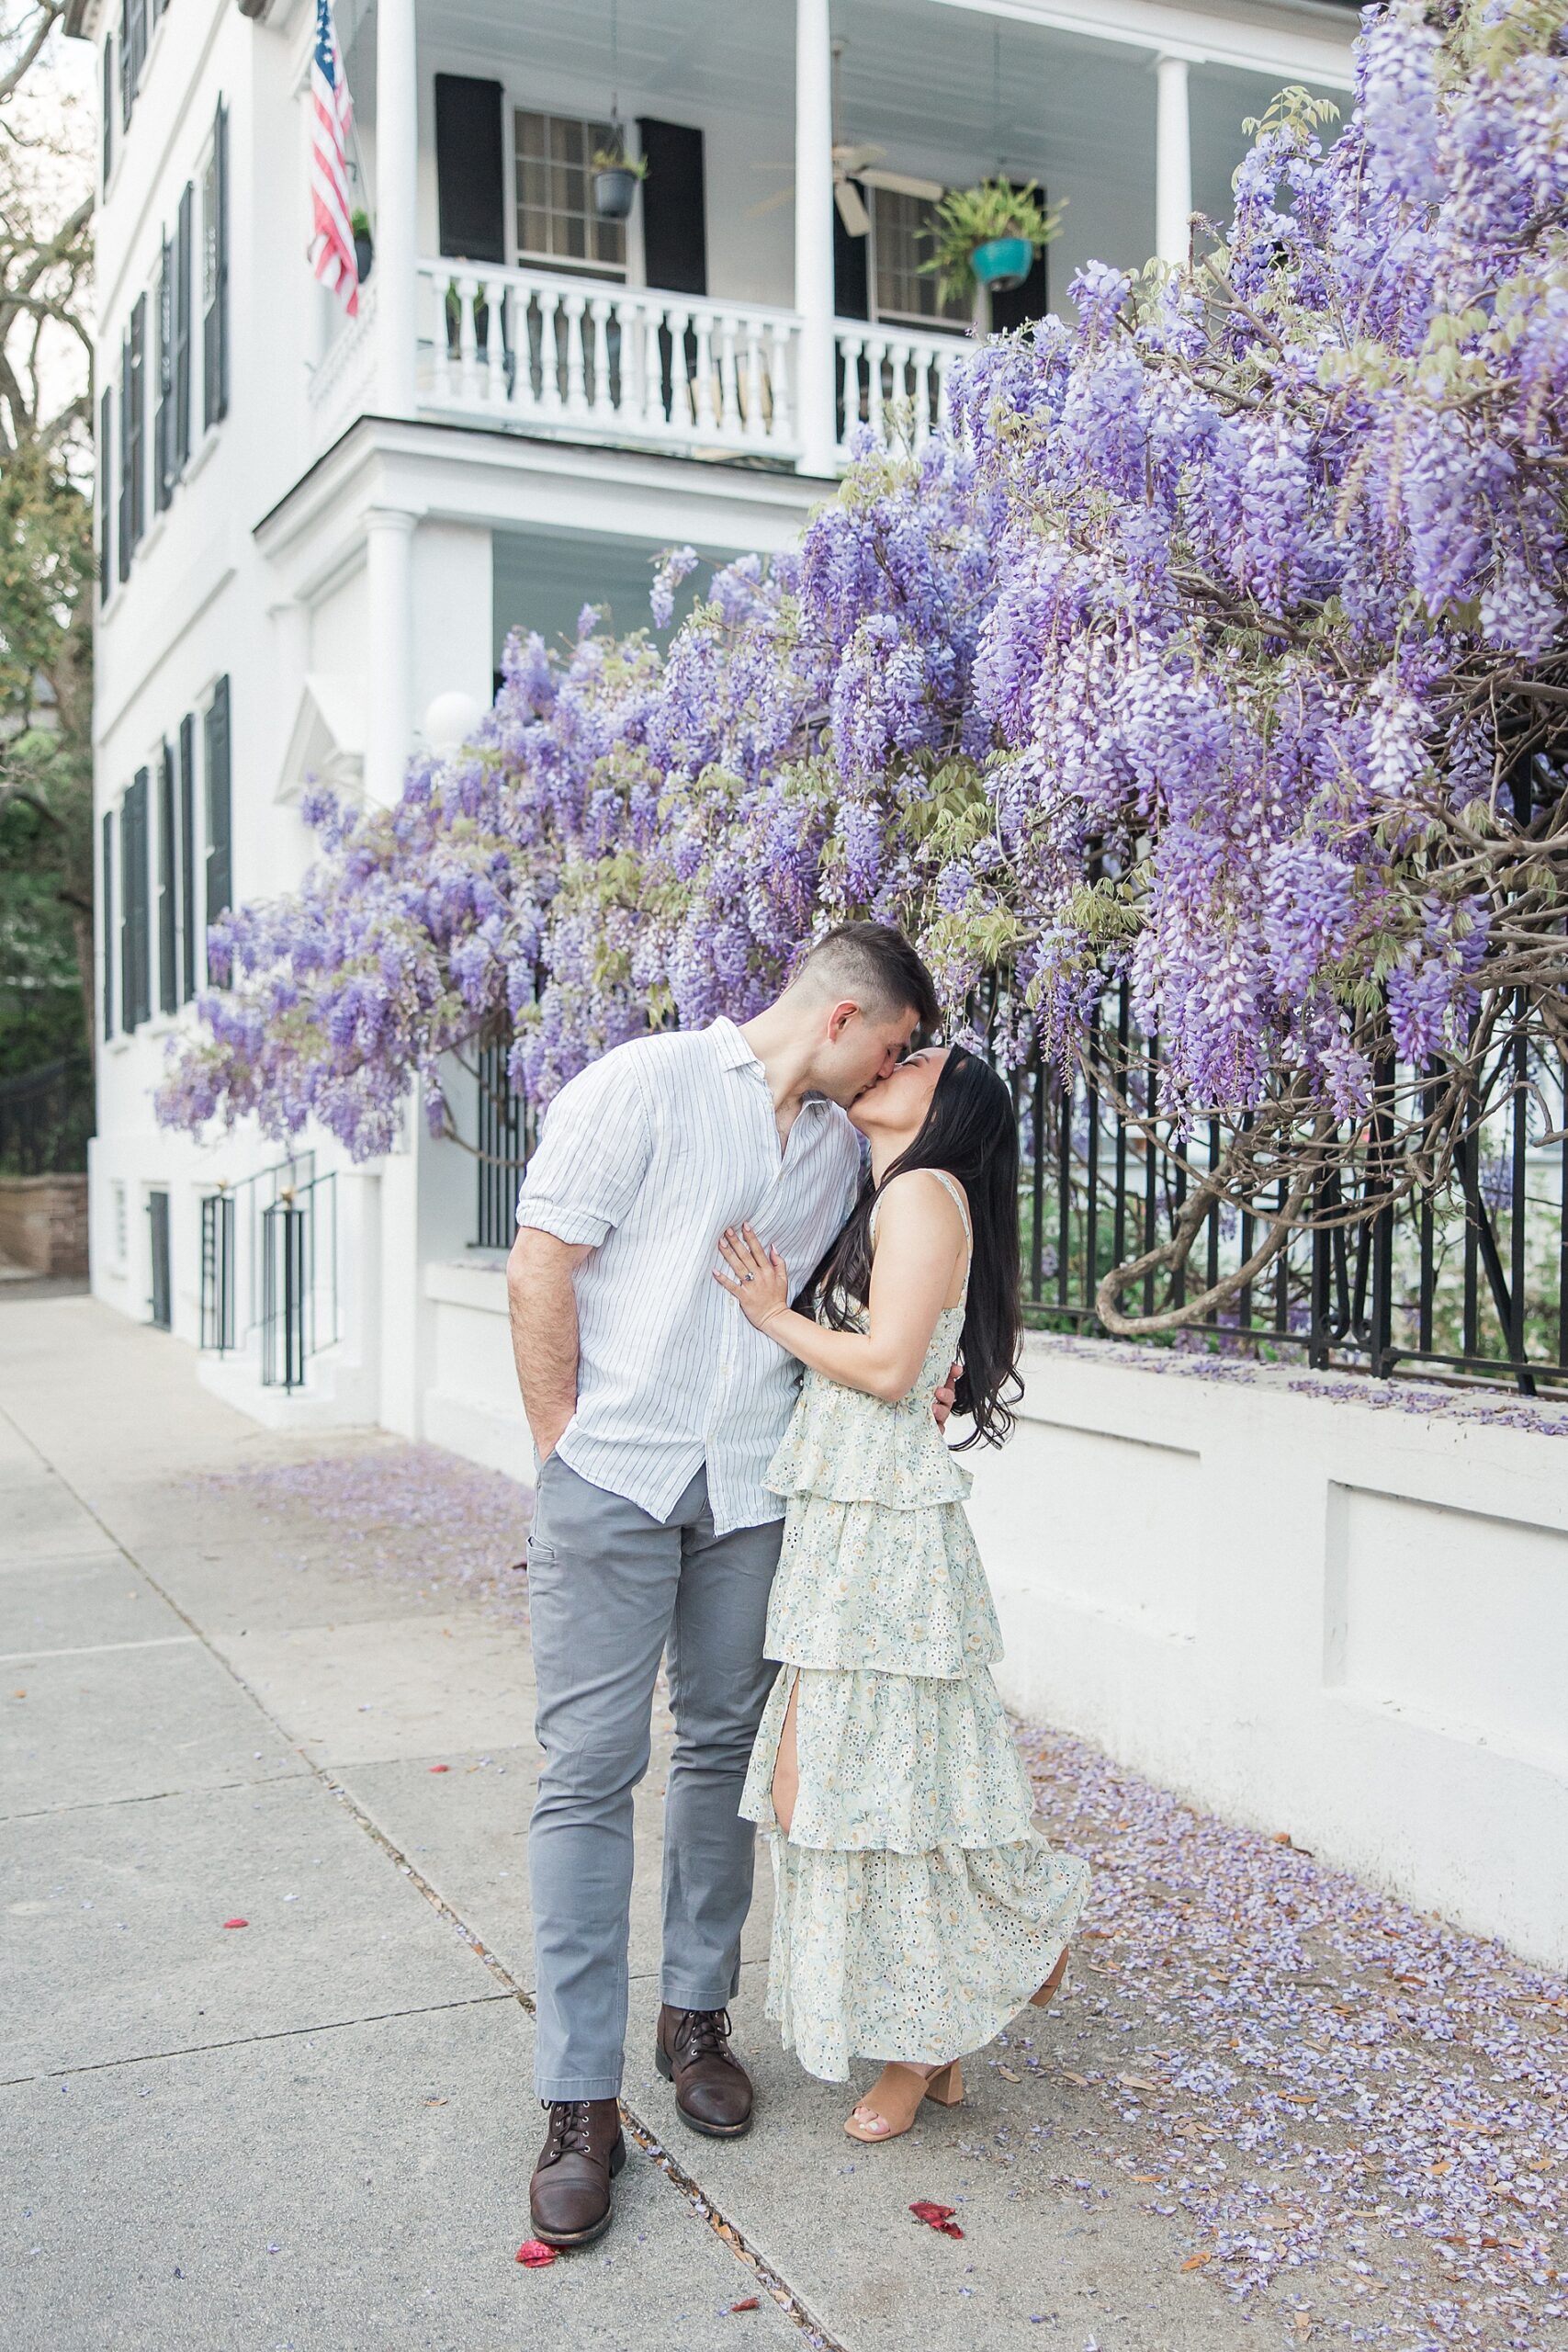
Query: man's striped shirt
{"points": [[647, 1156]]}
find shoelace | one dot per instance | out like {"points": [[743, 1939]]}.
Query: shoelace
{"points": [[705, 2033], [569, 2132]]}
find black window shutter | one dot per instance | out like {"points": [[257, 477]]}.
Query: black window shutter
{"points": [[215, 323], [106, 491], [108, 106], [106, 894], [674, 208], [124, 566], [851, 271], [127, 67], [136, 454], [163, 424], [187, 857], [137, 43], [220, 871], [470, 174], [168, 972], [182, 258], [134, 979], [1022, 303]]}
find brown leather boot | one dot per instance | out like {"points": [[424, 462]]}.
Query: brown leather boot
{"points": [[569, 2196], [713, 2090]]}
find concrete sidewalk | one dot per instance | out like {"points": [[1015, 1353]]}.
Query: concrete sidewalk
{"points": [[314, 2130]]}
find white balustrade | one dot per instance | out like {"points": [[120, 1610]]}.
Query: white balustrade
{"points": [[629, 365], [610, 363], [893, 379]]}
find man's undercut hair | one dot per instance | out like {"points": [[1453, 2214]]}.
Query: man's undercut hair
{"points": [[874, 966]]}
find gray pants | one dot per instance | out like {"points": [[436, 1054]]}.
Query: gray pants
{"points": [[610, 1590]]}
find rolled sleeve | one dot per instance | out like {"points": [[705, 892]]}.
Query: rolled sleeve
{"points": [[594, 1152]]}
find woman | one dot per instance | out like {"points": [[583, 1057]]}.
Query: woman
{"points": [[918, 1908]]}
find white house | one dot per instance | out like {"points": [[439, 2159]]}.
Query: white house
{"points": [[315, 535]]}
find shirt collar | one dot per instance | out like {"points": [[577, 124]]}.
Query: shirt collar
{"points": [[734, 1053]]}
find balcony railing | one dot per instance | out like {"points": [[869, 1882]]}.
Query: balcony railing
{"points": [[588, 360]]}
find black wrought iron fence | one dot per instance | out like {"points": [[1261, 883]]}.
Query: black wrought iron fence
{"points": [[507, 1128], [1464, 1281], [1467, 1279], [46, 1117]]}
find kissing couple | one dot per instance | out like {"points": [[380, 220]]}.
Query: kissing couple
{"points": [[737, 1355]]}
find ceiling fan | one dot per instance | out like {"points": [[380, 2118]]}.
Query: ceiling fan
{"points": [[854, 167]]}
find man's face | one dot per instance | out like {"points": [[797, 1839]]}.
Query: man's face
{"points": [[859, 1049]]}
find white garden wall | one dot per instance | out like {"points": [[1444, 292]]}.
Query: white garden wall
{"points": [[1308, 1609], [1314, 1611]]}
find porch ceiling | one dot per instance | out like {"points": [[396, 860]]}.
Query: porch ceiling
{"points": [[921, 78]]}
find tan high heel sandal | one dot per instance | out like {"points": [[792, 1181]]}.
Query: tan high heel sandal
{"points": [[1042, 1999], [897, 2096]]}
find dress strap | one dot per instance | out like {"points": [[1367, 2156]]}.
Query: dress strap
{"points": [[955, 1193]]}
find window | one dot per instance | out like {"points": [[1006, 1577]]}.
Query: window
{"points": [[108, 107], [164, 422], [124, 565], [182, 327], [106, 491], [132, 54], [135, 989], [215, 274], [187, 858], [168, 929], [106, 901], [132, 434], [556, 220], [899, 248], [220, 874]]}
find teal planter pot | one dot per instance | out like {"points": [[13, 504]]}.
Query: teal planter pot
{"points": [[1002, 263]]}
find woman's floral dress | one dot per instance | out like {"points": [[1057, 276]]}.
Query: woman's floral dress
{"points": [[916, 1906]]}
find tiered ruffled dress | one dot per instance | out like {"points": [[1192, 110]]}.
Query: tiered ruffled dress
{"points": [[917, 1907]]}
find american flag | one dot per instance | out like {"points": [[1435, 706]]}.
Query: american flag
{"points": [[331, 247]]}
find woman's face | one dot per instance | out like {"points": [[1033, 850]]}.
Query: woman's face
{"points": [[895, 1106]]}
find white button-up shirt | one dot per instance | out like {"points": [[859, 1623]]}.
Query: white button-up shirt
{"points": [[647, 1156]]}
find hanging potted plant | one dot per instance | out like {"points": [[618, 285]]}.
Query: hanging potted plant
{"points": [[988, 235], [363, 243], [616, 178]]}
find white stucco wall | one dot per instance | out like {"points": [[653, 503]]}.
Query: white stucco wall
{"points": [[1309, 1610]]}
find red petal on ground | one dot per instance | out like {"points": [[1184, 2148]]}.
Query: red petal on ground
{"points": [[751, 2303], [441, 1768], [533, 2255], [924, 2211], [236, 1923], [950, 2228]]}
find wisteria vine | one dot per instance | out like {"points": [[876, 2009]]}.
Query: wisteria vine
{"points": [[1218, 644]]}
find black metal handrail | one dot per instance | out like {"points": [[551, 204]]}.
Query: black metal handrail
{"points": [[269, 1268]]}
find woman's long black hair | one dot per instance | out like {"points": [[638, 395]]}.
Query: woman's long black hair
{"points": [[971, 1132]]}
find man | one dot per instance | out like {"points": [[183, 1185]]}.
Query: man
{"points": [[656, 1409]]}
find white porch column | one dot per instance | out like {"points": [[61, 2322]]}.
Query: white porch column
{"points": [[814, 233], [388, 630], [397, 193], [1173, 162]]}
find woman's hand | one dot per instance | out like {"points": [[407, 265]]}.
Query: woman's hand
{"points": [[757, 1277]]}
